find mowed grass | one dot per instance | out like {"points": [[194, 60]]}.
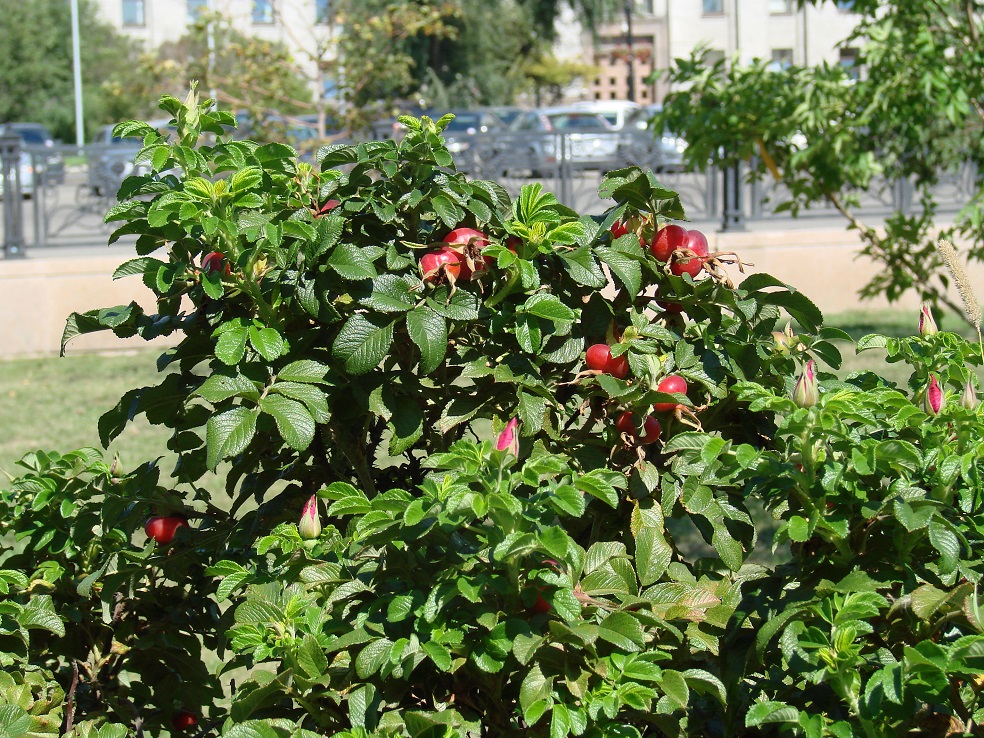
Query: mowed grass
{"points": [[55, 403]]}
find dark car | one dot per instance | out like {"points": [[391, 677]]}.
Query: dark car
{"points": [[111, 161], [470, 137], [49, 164]]}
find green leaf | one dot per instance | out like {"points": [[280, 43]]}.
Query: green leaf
{"points": [[946, 541], [390, 294], [439, 654], [267, 341], [762, 713], [314, 398], [529, 335], [231, 346], [549, 307], [294, 422], [362, 344], [245, 179], [675, 687], [623, 631], [228, 434], [304, 370], [350, 262], [584, 268], [624, 267], [429, 332], [221, 387], [40, 613], [652, 554]]}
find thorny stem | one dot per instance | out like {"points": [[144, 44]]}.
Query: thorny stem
{"points": [[868, 235]]}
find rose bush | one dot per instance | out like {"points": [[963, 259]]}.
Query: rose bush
{"points": [[489, 555]]}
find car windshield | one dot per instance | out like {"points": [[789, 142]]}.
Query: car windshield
{"points": [[31, 134], [577, 121], [465, 123]]}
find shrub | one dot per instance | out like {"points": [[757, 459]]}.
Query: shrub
{"points": [[453, 577]]}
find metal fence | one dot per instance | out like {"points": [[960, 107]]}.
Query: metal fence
{"points": [[66, 192]]}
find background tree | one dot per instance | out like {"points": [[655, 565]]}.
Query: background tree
{"points": [[915, 112], [36, 74]]}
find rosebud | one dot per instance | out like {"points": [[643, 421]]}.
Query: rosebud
{"points": [[934, 397], [785, 339], [806, 392], [969, 399], [509, 438], [927, 326], [310, 525]]}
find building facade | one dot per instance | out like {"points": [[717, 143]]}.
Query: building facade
{"points": [[661, 30], [304, 26]]}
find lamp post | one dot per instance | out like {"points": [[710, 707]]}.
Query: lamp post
{"points": [[13, 217], [77, 75], [631, 59]]}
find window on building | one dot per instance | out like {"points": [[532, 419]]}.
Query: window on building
{"points": [[713, 7], [780, 7], [262, 12], [782, 58], [712, 57], [849, 61], [133, 13], [324, 12], [196, 8]]}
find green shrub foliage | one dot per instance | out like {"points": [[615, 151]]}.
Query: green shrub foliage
{"points": [[449, 578]]}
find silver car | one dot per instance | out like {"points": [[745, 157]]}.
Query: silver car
{"points": [[542, 139], [25, 172], [640, 145]]}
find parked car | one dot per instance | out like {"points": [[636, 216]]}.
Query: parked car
{"points": [[588, 141], [616, 112], [25, 170], [640, 145], [470, 137], [111, 161], [49, 164]]}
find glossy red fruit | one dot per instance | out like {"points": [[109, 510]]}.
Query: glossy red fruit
{"points": [[670, 307], [182, 720], [215, 262], [618, 229], [671, 384], [513, 243], [697, 243], [163, 528], [599, 357], [541, 606], [668, 239], [650, 426], [441, 265], [473, 241]]}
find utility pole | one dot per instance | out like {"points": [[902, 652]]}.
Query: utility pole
{"points": [[77, 74], [631, 60]]}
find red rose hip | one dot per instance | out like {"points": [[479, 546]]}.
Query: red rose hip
{"points": [[599, 357]]}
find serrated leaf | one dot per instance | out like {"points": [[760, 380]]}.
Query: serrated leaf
{"points": [[628, 270], [350, 262], [228, 434], [267, 341], [304, 370], [623, 631], [429, 332], [362, 344], [549, 307], [231, 346], [221, 387], [390, 294], [294, 422], [762, 713]]}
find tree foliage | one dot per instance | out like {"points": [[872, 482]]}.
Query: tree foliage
{"points": [[915, 112], [36, 82]]}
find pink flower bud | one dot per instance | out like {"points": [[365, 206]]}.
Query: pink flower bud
{"points": [[927, 326], [934, 397], [509, 438], [310, 525], [969, 399], [806, 392]]}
